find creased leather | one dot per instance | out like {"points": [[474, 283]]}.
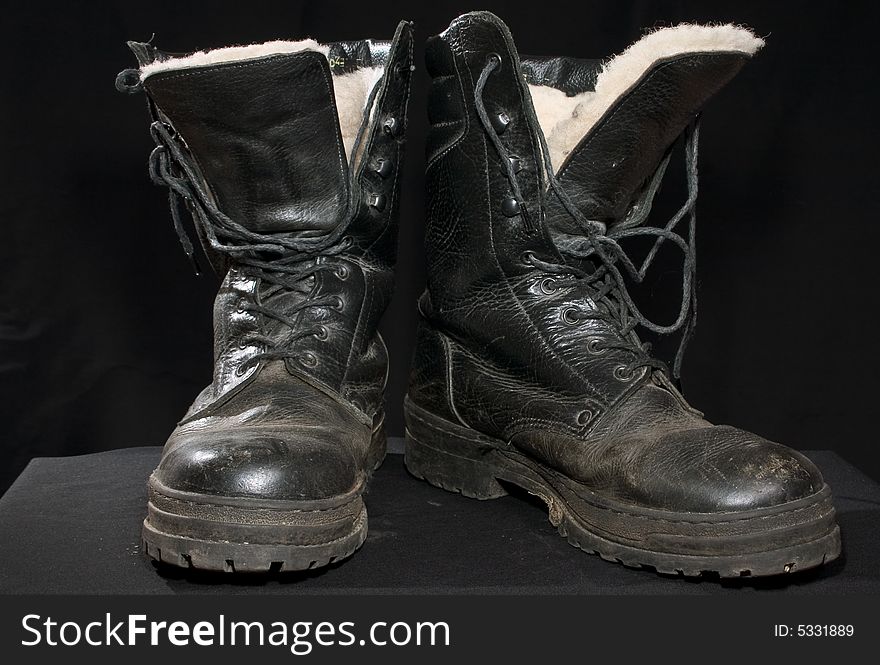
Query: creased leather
{"points": [[265, 135], [494, 350], [266, 141], [609, 166], [571, 75], [277, 439]]}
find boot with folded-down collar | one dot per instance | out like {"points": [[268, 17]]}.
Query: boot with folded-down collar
{"points": [[287, 155], [528, 369]]}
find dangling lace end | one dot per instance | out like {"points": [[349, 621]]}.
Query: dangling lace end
{"points": [[685, 339], [195, 264], [676, 367], [182, 235]]}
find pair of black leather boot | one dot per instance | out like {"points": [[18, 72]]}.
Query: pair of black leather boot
{"points": [[528, 369]]}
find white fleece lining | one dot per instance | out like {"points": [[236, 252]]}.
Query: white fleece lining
{"points": [[351, 90], [566, 120]]}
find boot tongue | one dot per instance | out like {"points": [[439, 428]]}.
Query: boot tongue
{"points": [[615, 136], [268, 126]]}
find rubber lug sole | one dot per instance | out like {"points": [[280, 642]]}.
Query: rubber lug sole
{"points": [[771, 541], [245, 557]]}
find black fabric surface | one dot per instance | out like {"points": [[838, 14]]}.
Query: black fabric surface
{"points": [[72, 525]]}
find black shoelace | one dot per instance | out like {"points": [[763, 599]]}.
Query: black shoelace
{"points": [[283, 262], [606, 284], [280, 261]]}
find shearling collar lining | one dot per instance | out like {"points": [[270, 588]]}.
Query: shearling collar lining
{"points": [[566, 120], [351, 90]]}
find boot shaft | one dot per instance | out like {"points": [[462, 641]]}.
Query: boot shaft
{"points": [[528, 155], [530, 159], [607, 127], [289, 136], [288, 156], [613, 135]]}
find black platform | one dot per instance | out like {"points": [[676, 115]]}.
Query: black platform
{"points": [[72, 525]]}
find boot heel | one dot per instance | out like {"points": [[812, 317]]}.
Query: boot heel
{"points": [[449, 456]]}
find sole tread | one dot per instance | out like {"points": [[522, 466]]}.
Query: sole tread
{"points": [[237, 558], [780, 561]]}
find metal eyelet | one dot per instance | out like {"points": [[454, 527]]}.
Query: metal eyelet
{"points": [[342, 272], [240, 370], [500, 121], [584, 417], [568, 315], [392, 126], [621, 373], [548, 287], [337, 304], [594, 348], [323, 333], [347, 242], [240, 306], [510, 207], [528, 258], [377, 201], [309, 359], [384, 167], [494, 57], [515, 163]]}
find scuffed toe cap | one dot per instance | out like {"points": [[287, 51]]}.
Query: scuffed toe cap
{"points": [[723, 469], [258, 463]]}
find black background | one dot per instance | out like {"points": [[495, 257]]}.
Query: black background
{"points": [[105, 334]]}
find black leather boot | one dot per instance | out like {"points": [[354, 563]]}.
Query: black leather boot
{"points": [[287, 155], [528, 370]]}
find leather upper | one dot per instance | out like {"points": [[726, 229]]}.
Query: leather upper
{"points": [[265, 135], [265, 140], [607, 169], [273, 437], [498, 350], [570, 75]]}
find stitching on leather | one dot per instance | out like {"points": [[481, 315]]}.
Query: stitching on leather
{"points": [[447, 123], [553, 425], [172, 74], [440, 428], [340, 149], [515, 428], [622, 395], [386, 95], [382, 96], [518, 75], [791, 511], [712, 523], [163, 76], [533, 328], [358, 521], [624, 97], [358, 329], [520, 420], [465, 117], [355, 499], [450, 388]]}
